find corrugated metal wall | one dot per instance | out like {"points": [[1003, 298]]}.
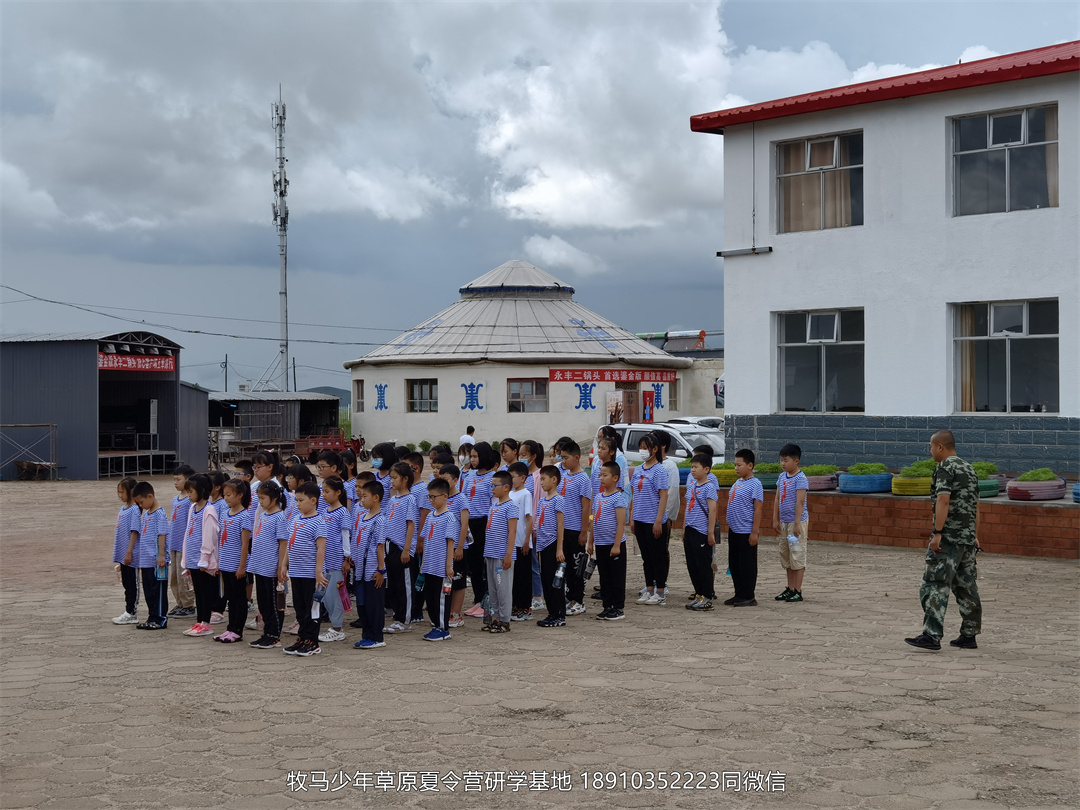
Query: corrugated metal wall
{"points": [[54, 382], [192, 443]]}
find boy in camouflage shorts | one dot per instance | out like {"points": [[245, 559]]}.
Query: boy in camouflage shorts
{"points": [[950, 559]]}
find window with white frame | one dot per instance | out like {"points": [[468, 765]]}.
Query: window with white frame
{"points": [[1007, 356], [1005, 161], [358, 396], [529, 395], [821, 361], [672, 403], [422, 396], [820, 182]]}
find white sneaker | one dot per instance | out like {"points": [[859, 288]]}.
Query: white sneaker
{"points": [[126, 618], [293, 629], [252, 607], [537, 603], [575, 609], [331, 635], [645, 597], [656, 598], [217, 618], [252, 623], [396, 627]]}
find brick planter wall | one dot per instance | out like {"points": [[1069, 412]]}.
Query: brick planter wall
{"points": [[1024, 528]]}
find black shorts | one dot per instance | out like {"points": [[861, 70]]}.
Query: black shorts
{"points": [[461, 568]]}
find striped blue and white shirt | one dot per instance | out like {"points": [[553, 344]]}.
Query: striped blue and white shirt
{"points": [[647, 485], [151, 526], [624, 478], [369, 535], [253, 508], [232, 540], [181, 505], [303, 537], [605, 520], [222, 509], [193, 537], [402, 509], [458, 503], [270, 529], [547, 520], [419, 491], [740, 505], [127, 521], [478, 493], [498, 529], [787, 490], [697, 504], [334, 520], [574, 487], [386, 486], [437, 531]]}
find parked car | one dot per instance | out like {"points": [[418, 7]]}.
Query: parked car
{"points": [[704, 421], [682, 439]]}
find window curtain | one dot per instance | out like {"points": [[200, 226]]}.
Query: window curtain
{"points": [[966, 351]]}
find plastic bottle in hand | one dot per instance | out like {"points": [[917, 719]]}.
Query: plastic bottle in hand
{"points": [[419, 586], [185, 581], [560, 576], [447, 585], [320, 592], [793, 542]]}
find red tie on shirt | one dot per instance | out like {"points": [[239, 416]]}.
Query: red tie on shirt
{"points": [[693, 499], [731, 492], [295, 526], [640, 482], [599, 509], [391, 515], [540, 520], [472, 492], [224, 532]]}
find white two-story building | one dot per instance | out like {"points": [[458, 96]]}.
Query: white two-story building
{"points": [[900, 256]]}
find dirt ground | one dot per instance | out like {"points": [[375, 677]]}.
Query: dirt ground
{"points": [[818, 704]]}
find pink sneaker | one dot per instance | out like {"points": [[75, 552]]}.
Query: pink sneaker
{"points": [[293, 629], [199, 629], [228, 637], [217, 618], [476, 611]]}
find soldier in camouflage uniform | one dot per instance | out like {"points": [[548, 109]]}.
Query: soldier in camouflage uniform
{"points": [[950, 559]]}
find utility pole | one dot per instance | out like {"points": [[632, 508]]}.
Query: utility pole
{"points": [[295, 388], [225, 366], [281, 219]]}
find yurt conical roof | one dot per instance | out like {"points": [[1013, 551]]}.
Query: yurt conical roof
{"points": [[518, 313]]}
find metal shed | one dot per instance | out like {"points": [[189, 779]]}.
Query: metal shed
{"points": [[241, 421]]}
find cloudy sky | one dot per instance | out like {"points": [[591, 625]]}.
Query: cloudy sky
{"points": [[427, 142]]}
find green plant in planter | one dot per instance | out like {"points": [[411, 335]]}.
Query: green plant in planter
{"points": [[984, 469], [820, 469], [768, 468], [727, 465], [411, 446], [425, 446], [920, 469], [1041, 474], [685, 464], [863, 468]]}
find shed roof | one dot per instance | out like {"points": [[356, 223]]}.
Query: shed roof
{"points": [[1047, 61], [138, 338], [518, 314], [270, 396]]}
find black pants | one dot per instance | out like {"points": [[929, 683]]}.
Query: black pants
{"points": [[699, 561], [612, 575], [207, 592], [654, 553], [399, 582], [374, 610], [416, 602], [438, 603], [742, 560], [475, 555], [129, 576], [156, 593], [266, 594], [302, 598], [236, 600], [522, 599], [575, 585], [554, 598]]}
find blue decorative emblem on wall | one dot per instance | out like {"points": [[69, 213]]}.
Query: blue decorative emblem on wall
{"points": [[417, 334], [585, 402], [472, 396], [658, 388], [380, 390], [595, 333]]}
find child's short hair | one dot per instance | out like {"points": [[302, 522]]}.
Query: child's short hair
{"points": [[267, 459], [243, 465], [310, 489], [560, 443], [335, 483], [365, 476], [331, 458], [402, 451], [703, 460], [503, 477], [415, 459], [217, 480], [571, 447], [747, 455], [200, 484], [486, 457], [184, 470], [450, 469], [791, 451], [373, 488], [271, 489], [551, 471], [142, 489], [442, 458], [438, 486], [613, 468], [243, 489], [518, 468], [404, 470], [706, 450]]}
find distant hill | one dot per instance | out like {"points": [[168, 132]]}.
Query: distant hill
{"points": [[340, 393]]}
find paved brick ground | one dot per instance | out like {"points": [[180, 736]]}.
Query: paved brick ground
{"points": [[825, 692]]}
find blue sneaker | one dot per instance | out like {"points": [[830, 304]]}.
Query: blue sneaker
{"points": [[437, 635], [368, 644]]}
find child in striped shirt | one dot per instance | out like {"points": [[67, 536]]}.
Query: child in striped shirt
{"points": [[268, 561], [423, 509], [200, 556], [521, 610], [233, 556], [182, 595], [401, 519], [146, 551], [575, 487], [336, 533], [790, 519], [440, 535], [549, 545], [306, 561], [459, 505], [369, 556], [699, 532], [651, 486], [606, 541], [126, 522], [745, 500], [499, 552]]}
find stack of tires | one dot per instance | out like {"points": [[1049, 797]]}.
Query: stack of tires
{"points": [[1036, 490], [877, 482]]}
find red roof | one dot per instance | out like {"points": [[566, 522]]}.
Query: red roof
{"points": [[1046, 61]]}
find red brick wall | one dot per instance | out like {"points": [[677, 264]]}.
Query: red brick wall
{"points": [[1026, 528]]}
